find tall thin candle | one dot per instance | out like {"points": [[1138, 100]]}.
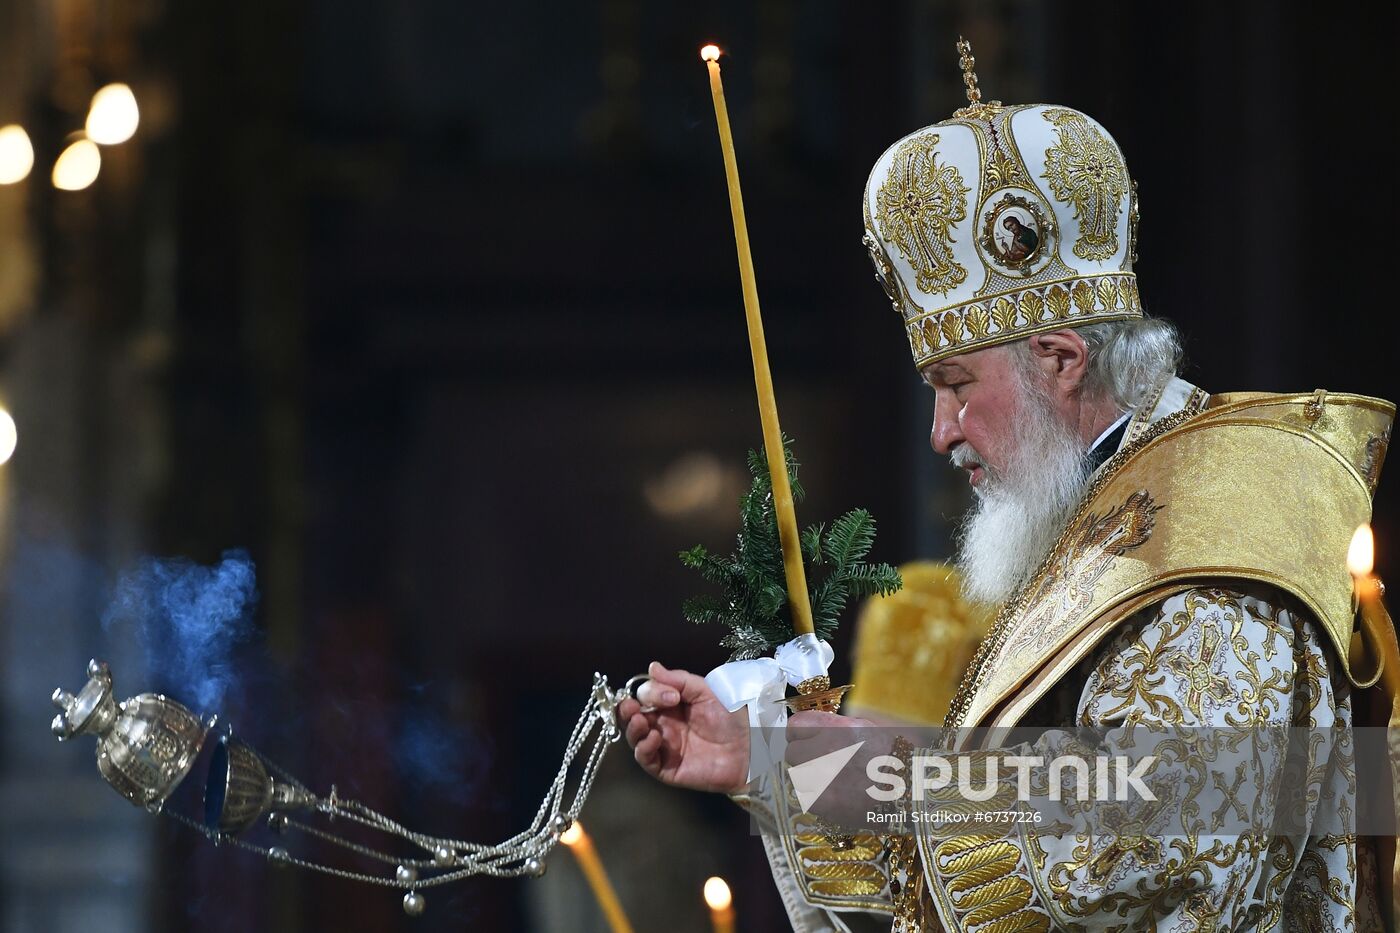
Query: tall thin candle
{"points": [[1379, 630], [763, 379], [721, 904], [582, 846]]}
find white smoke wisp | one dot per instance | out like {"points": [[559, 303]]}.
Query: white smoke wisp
{"points": [[1022, 509]]}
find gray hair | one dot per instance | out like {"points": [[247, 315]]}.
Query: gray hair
{"points": [[1128, 359]]}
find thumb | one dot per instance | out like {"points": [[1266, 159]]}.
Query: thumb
{"points": [[691, 687], [663, 689]]}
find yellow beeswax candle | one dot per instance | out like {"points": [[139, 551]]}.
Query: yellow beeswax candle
{"points": [[763, 378], [582, 847], [721, 904]]}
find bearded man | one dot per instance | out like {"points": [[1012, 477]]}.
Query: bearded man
{"points": [[1162, 558]]}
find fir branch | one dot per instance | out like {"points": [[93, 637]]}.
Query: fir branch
{"points": [[706, 609], [872, 579], [754, 604], [828, 599], [812, 544], [745, 643], [694, 557], [758, 468], [851, 538]]}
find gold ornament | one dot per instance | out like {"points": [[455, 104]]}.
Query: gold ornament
{"points": [[917, 207], [975, 107], [1084, 169]]}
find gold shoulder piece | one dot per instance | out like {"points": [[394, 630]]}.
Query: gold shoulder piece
{"points": [[1258, 487]]}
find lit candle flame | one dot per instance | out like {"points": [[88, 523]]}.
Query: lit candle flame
{"points": [[573, 835], [1361, 555], [717, 894], [710, 53]]}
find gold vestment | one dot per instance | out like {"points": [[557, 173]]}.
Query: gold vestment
{"points": [[1201, 581]]}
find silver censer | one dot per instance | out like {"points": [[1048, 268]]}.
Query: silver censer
{"points": [[146, 746]]}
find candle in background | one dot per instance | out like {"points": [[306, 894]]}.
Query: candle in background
{"points": [[582, 847], [721, 904], [1379, 631], [763, 379], [1375, 620]]}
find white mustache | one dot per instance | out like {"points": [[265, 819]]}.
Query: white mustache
{"points": [[964, 456]]}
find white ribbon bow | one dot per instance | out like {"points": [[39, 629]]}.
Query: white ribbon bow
{"points": [[761, 684]]}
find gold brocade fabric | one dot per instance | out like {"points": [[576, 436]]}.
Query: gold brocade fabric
{"points": [[1201, 583], [1234, 665], [1236, 661], [912, 647], [1257, 488], [1179, 527]]}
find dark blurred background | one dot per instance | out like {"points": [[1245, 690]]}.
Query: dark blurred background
{"points": [[432, 307]]}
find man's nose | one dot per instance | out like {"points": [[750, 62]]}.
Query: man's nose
{"points": [[947, 430]]}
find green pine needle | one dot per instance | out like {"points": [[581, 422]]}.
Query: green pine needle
{"points": [[754, 603]]}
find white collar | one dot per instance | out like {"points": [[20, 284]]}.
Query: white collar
{"points": [[1111, 428]]}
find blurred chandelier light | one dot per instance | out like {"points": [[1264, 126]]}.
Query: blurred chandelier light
{"points": [[9, 436], [77, 166], [113, 116], [16, 154]]}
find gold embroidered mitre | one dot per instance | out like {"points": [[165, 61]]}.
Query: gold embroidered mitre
{"points": [[1002, 222]]}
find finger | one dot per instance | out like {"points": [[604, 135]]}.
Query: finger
{"points": [[809, 722], [627, 709], [637, 728], [660, 695], [806, 724], [796, 753], [648, 752]]}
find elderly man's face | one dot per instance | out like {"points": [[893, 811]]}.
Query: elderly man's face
{"points": [[976, 399], [1012, 428]]}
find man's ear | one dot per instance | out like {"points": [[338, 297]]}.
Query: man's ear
{"points": [[1063, 356]]}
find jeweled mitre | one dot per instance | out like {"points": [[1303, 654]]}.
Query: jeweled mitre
{"points": [[1000, 223]]}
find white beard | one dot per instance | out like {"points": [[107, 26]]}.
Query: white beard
{"points": [[1021, 511]]}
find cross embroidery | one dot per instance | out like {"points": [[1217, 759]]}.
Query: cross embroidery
{"points": [[1147, 849], [1201, 679], [1230, 795], [1132, 835], [1209, 916]]}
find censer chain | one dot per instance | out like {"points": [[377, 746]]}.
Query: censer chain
{"points": [[521, 854]]}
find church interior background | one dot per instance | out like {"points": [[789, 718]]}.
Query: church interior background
{"points": [[431, 307]]}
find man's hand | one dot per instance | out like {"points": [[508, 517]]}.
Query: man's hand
{"points": [[690, 739], [812, 734]]}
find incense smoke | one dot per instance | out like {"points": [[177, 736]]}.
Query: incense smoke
{"points": [[439, 757], [188, 619]]}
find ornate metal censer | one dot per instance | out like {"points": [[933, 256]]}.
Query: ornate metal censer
{"points": [[147, 745]]}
